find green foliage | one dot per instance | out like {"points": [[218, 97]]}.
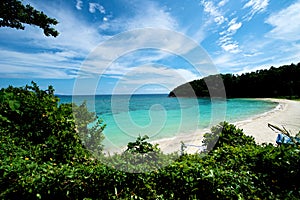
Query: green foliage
{"points": [[140, 157], [226, 134], [274, 82], [34, 119], [191, 89], [14, 14], [91, 137], [142, 153], [142, 146], [42, 157]]}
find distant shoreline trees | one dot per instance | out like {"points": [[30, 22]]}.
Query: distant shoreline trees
{"points": [[283, 81]]}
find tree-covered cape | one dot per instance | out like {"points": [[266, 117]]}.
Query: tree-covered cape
{"points": [[283, 81]]}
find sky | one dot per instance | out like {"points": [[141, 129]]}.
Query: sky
{"points": [[149, 46]]}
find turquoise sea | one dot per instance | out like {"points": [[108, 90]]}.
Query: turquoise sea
{"points": [[158, 116]]}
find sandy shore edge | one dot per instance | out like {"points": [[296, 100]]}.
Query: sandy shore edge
{"points": [[286, 113]]}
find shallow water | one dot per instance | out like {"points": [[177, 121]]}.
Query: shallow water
{"points": [[159, 117]]}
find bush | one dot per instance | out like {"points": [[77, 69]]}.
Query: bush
{"points": [[42, 156], [140, 157], [37, 134], [34, 118], [226, 134]]}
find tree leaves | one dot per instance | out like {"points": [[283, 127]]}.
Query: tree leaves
{"points": [[54, 165], [14, 14], [274, 82], [14, 105]]}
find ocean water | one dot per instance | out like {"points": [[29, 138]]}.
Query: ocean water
{"points": [[158, 116]]}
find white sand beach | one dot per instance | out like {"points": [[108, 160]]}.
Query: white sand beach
{"points": [[286, 114]]}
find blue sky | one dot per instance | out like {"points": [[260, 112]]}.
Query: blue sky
{"points": [[238, 36]]}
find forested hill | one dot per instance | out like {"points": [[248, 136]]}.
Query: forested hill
{"points": [[283, 81]]}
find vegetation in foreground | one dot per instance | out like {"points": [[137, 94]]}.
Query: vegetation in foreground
{"points": [[42, 156]]}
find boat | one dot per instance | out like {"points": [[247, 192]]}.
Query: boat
{"points": [[284, 136]]}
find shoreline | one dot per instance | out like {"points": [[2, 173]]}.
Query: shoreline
{"points": [[286, 113]]}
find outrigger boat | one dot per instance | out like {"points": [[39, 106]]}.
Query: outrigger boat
{"points": [[284, 137]]}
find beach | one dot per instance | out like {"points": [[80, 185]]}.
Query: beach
{"points": [[286, 114]]}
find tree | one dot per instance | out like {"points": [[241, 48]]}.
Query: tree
{"points": [[14, 14], [39, 124], [283, 81]]}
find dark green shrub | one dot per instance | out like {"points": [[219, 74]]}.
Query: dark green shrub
{"points": [[140, 157], [38, 134], [35, 116], [226, 134], [42, 156], [91, 137]]}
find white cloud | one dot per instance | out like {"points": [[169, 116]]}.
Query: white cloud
{"points": [[76, 37], [231, 47], [186, 74], [213, 11], [222, 3], [233, 26], [79, 4], [214, 16], [96, 6], [256, 6], [286, 23], [230, 63], [220, 20], [108, 58], [153, 74], [153, 17], [258, 50], [226, 41], [38, 65], [147, 15], [75, 34], [257, 54], [51, 57]]}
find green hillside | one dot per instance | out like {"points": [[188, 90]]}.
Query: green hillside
{"points": [[283, 81]]}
